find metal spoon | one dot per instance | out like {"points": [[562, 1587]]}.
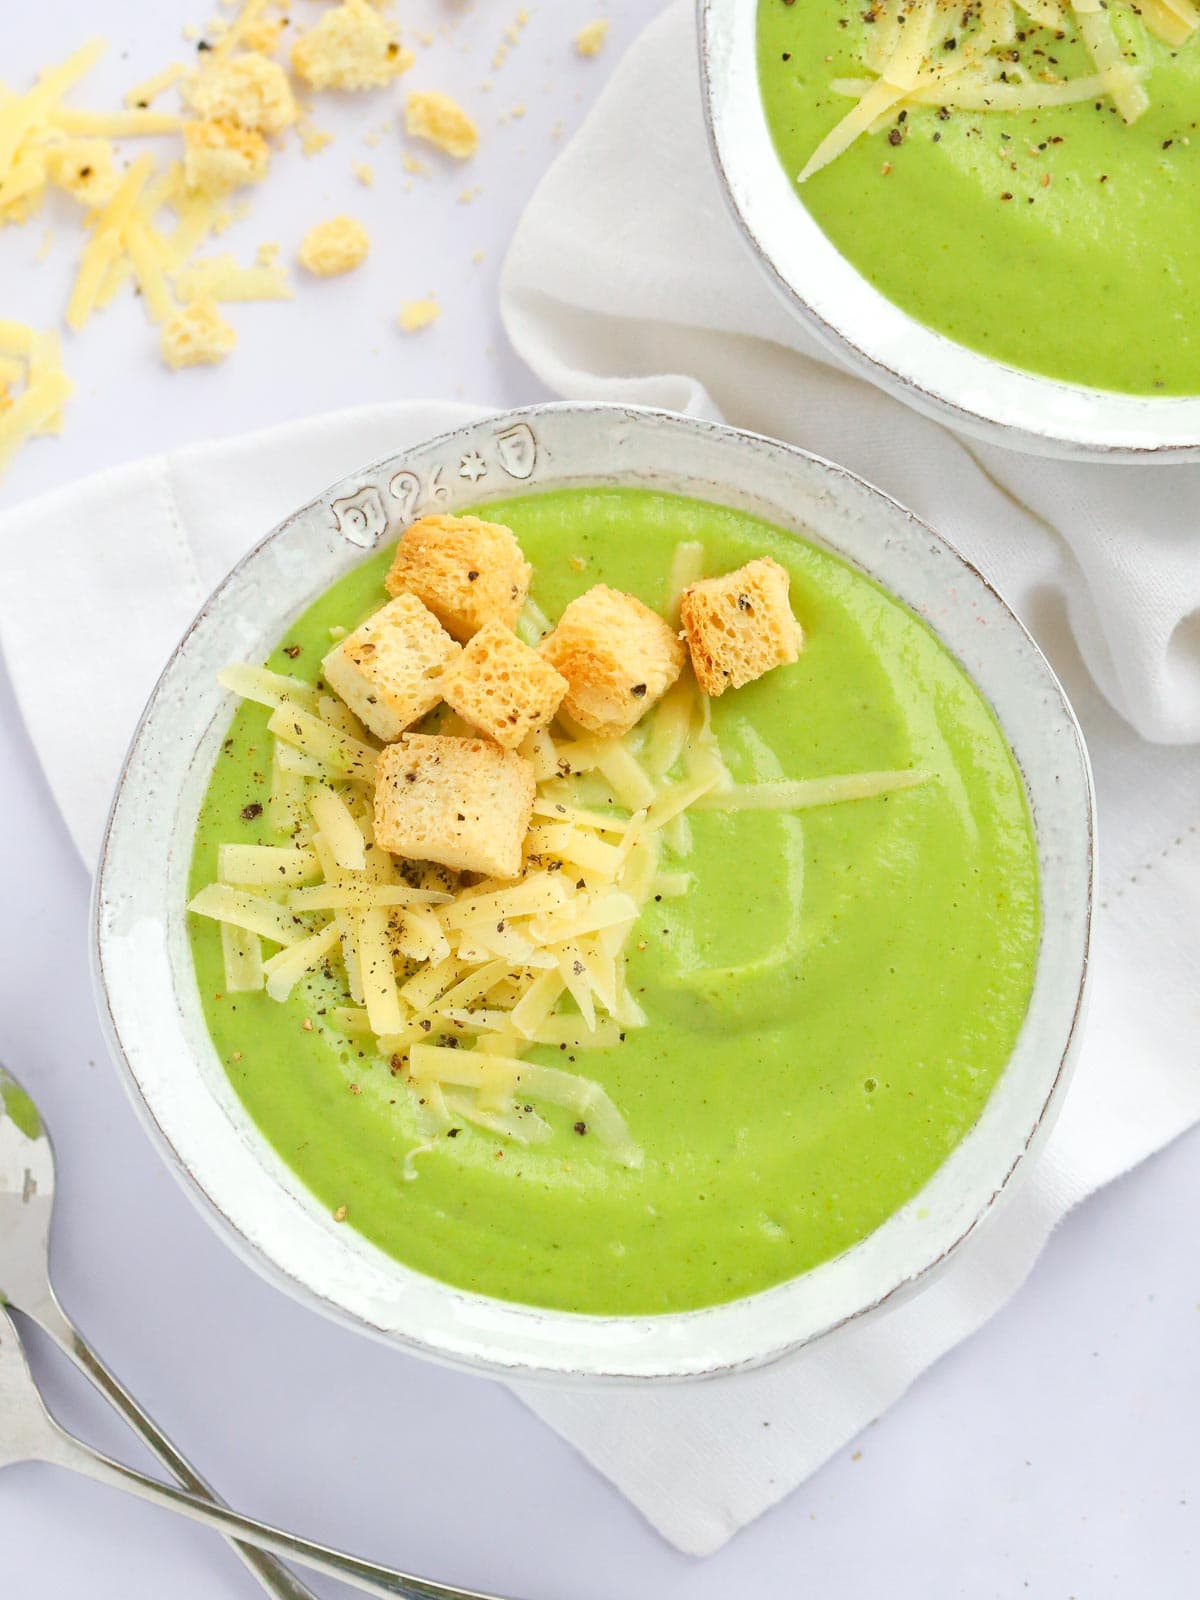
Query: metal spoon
{"points": [[26, 1206], [29, 1433]]}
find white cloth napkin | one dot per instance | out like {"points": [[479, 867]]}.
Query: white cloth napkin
{"points": [[627, 281]]}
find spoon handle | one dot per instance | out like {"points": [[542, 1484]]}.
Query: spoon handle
{"points": [[64, 1450], [274, 1578]]}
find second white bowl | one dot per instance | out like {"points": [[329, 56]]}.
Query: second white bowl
{"points": [[972, 392]]}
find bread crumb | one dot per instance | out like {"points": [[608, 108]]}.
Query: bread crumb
{"points": [[219, 156], [589, 41], [351, 47], [197, 335], [312, 139], [416, 166], [364, 172], [434, 116], [341, 1213], [332, 247], [262, 35], [247, 89], [418, 314]]}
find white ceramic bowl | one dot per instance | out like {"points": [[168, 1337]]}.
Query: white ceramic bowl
{"points": [[148, 990], [973, 393]]}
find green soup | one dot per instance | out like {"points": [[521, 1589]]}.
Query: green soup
{"points": [[1061, 241], [828, 1007]]}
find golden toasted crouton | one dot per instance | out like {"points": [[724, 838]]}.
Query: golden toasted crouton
{"points": [[466, 571], [617, 656], [248, 89], [388, 671], [338, 245], [502, 687], [197, 335], [463, 803], [352, 47], [432, 115], [218, 156], [740, 625]]}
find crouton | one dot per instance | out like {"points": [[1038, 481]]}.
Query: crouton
{"points": [[352, 47], [247, 89], [434, 116], [502, 687], [388, 671], [197, 335], [466, 571], [618, 657], [339, 245], [463, 803], [219, 156], [740, 625]]}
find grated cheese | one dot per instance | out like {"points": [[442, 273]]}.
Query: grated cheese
{"points": [[241, 954], [284, 970], [266, 865], [223, 278], [900, 51], [457, 980], [337, 825]]}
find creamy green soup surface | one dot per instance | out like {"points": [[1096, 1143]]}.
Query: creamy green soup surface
{"points": [[1059, 240], [829, 1006]]}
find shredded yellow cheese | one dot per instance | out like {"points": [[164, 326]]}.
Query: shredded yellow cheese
{"points": [[984, 70], [455, 979]]}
